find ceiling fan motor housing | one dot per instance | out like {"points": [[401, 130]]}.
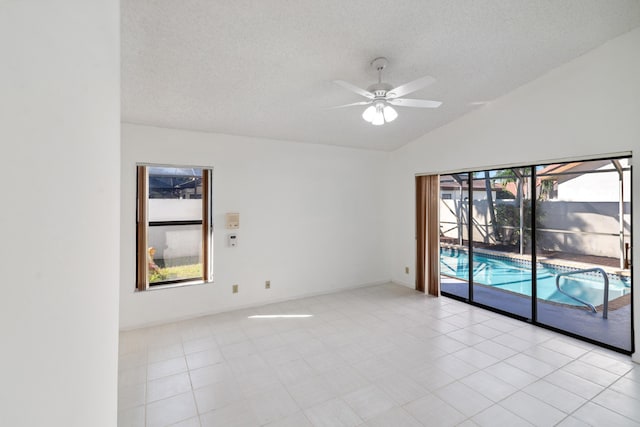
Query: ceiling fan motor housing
{"points": [[380, 89]]}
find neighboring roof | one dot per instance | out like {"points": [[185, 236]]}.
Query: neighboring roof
{"points": [[555, 169]]}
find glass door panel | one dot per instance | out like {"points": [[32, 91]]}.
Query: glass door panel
{"points": [[501, 259], [582, 242], [454, 217]]}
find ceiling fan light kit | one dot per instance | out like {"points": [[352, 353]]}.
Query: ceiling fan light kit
{"points": [[382, 96], [379, 114]]}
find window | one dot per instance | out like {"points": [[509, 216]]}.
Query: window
{"points": [[174, 226]]}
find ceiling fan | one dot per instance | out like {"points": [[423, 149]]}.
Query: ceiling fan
{"points": [[381, 96]]}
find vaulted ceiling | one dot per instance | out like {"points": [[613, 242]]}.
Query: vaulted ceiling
{"points": [[265, 67]]}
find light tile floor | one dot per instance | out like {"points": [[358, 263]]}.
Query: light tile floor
{"points": [[376, 356]]}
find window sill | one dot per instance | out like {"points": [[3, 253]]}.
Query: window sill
{"points": [[175, 285]]}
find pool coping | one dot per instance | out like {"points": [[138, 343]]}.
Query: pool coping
{"points": [[543, 260]]}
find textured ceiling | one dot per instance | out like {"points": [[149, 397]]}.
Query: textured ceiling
{"points": [[265, 67]]}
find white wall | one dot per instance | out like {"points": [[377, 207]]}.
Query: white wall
{"points": [[311, 220], [596, 187], [175, 209], [170, 242], [59, 131], [587, 107]]}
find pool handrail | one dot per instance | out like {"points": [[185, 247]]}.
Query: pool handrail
{"points": [[605, 304]]}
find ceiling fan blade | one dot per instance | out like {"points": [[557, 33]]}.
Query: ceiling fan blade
{"points": [[351, 105], [420, 103], [410, 87], [355, 89]]}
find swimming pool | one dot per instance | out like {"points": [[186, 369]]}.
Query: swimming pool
{"points": [[515, 275]]}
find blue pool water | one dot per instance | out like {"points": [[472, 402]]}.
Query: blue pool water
{"points": [[515, 276]]}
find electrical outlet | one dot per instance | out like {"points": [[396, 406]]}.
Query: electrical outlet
{"points": [[267, 284], [235, 289], [406, 270]]}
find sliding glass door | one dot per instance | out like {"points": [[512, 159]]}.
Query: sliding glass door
{"points": [[546, 243]]}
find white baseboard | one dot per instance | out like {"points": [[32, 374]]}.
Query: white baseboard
{"points": [[251, 305], [399, 282]]}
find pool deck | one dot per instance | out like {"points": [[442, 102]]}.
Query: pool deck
{"points": [[614, 331]]}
